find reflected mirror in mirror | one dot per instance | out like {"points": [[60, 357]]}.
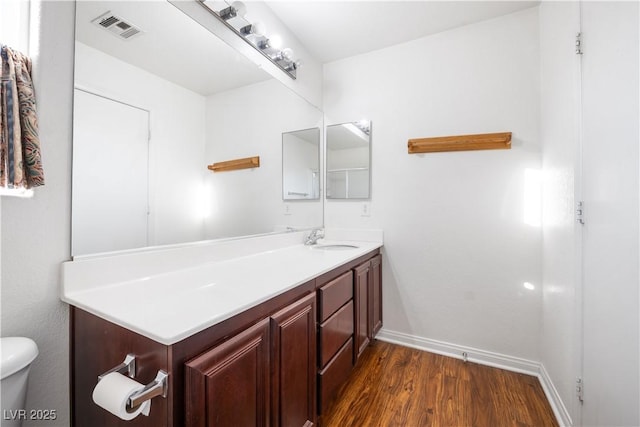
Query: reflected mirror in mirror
{"points": [[158, 98], [301, 164], [349, 160]]}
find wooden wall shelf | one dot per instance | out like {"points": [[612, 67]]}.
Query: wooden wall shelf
{"points": [[231, 165], [485, 141]]}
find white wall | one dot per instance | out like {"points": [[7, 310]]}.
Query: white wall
{"points": [[177, 128], [457, 248], [36, 232], [559, 128], [247, 122]]}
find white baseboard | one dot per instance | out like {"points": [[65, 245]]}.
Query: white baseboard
{"points": [[559, 409], [487, 358], [482, 357]]}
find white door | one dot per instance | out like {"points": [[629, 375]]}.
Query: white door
{"points": [[110, 175], [610, 111]]}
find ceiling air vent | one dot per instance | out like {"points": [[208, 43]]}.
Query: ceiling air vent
{"points": [[117, 26]]}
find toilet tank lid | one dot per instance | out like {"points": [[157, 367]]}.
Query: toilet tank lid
{"points": [[15, 354]]}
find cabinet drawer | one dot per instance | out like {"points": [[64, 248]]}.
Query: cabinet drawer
{"points": [[334, 295], [334, 375], [335, 332]]}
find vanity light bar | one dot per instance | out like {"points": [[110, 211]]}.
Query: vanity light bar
{"points": [[233, 17]]}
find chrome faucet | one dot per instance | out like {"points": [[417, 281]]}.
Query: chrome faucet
{"points": [[315, 235]]}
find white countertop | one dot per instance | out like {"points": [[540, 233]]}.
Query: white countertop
{"points": [[170, 306]]}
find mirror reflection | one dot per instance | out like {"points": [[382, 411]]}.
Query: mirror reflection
{"points": [[301, 165], [157, 99], [349, 160]]}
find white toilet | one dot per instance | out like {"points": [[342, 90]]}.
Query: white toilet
{"points": [[16, 355]]}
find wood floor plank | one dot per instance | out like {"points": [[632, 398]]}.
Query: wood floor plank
{"points": [[400, 386]]}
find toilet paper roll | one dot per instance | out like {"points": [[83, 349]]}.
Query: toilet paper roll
{"points": [[112, 393]]}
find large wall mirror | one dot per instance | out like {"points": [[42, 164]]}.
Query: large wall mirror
{"points": [[158, 98], [348, 171]]}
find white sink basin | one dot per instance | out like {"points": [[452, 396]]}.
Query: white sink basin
{"points": [[334, 247]]}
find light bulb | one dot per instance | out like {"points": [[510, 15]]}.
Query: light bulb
{"points": [[241, 8], [287, 54], [275, 41], [258, 28]]}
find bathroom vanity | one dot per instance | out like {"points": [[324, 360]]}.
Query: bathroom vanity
{"points": [[264, 355]]}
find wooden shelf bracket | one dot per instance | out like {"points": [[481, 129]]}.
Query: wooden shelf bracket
{"points": [[230, 165], [485, 141]]}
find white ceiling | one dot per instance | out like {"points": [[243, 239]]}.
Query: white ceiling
{"points": [[333, 30]]}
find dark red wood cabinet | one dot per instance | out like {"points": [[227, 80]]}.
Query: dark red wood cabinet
{"points": [[368, 299], [276, 364], [362, 285], [375, 295], [293, 337], [229, 384], [349, 317], [335, 336], [261, 376]]}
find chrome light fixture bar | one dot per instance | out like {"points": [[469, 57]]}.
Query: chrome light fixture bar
{"points": [[233, 17]]}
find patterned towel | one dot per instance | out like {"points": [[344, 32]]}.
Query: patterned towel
{"points": [[20, 160]]}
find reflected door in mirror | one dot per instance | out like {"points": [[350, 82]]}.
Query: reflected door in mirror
{"points": [[109, 206]]}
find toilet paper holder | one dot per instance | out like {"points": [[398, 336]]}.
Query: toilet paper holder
{"points": [[157, 387], [128, 367]]}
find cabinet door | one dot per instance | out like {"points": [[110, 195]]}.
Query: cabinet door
{"points": [[294, 361], [375, 297], [229, 384], [362, 333]]}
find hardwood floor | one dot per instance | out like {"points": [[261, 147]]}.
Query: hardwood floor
{"points": [[399, 386]]}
